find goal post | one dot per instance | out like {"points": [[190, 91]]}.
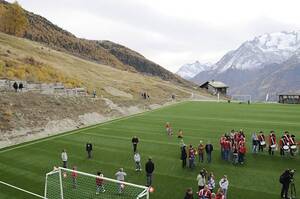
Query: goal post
{"points": [[63, 183], [241, 98]]}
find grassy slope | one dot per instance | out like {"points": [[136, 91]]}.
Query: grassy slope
{"points": [[26, 166], [92, 75]]}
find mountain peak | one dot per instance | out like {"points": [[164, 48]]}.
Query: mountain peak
{"points": [[188, 71]]}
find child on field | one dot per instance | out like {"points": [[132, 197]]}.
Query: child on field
{"points": [[74, 175], [137, 160], [99, 183]]}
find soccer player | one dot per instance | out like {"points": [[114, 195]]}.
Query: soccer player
{"points": [[99, 183], [135, 142], [121, 177], [137, 160], [224, 183], [149, 171], [74, 175], [64, 158], [89, 148]]}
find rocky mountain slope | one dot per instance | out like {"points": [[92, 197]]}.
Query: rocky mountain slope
{"points": [[104, 52], [267, 64], [188, 71]]}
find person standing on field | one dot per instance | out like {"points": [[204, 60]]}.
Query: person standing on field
{"points": [[99, 183], [189, 194], [208, 149], [224, 183], [121, 177], [183, 156], [135, 142], [74, 175], [64, 158], [201, 180], [201, 148], [89, 149], [137, 160], [149, 171]]}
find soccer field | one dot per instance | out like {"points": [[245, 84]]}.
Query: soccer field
{"points": [[25, 165]]}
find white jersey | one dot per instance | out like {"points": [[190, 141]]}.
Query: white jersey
{"points": [[121, 175], [64, 156], [224, 183], [137, 157]]}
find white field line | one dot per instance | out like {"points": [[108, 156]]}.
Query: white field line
{"points": [[85, 128], [23, 190]]}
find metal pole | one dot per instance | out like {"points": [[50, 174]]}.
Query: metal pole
{"points": [[61, 186]]}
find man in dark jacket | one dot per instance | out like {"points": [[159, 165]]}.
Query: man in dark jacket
{"points": [[135, 142], [89, 148], [149, 171], [183, 156], [285, 180], [209, 148], [15, 86]]}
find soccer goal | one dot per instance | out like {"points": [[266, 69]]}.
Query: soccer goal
{"points": [[241, 98], [64, 183]]}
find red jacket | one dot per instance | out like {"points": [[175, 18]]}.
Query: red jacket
{"points": [[272, 139], [206, 193]]}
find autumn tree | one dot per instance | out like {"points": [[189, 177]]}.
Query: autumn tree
{"points": [[13, 19]]}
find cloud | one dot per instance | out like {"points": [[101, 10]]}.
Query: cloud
{"points": [[170, 33]]}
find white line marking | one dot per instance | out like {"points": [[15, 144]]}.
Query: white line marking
{"points": [[20, 189]]}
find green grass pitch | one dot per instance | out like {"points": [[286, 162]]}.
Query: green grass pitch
{"points": [[25, 165]]}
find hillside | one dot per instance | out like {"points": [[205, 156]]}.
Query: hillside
{"points": [[118, 91], [104, 52]]}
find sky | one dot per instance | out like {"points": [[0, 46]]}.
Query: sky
{"points": [[171, 32]]}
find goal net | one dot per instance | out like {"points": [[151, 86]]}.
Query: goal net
{"points": [[64, 183], [241, 98]]}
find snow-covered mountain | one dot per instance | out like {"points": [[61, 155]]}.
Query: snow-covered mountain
{"points": [[188, 71], [248, 69]]}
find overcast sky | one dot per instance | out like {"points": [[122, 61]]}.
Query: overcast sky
{"points": [[171, 32]]}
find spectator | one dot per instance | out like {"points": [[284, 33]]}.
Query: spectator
{"points": [[137, 160], [64, 158], [15, 86], [204, 193], [183, 156], [255, 143], [94, 93], [74, 175], [208, 149], [135, 142], [89, 149], [180, 134], [149, 171], [121, 177], [191, 157], [211, 182], [242, 152], [21, 86], [224, 183], [189, 194], [201, 148], [262, 142], [201, 179], [99, 183], [220, 194]]}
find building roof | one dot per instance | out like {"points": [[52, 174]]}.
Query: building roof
{"points": [[215, 84]]}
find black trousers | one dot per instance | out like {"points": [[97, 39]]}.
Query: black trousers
{"points": [[183, 163], [284, 190], [134, 147], [89, 154]]}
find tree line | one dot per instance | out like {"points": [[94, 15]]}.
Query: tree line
{"points": [[13, 19]]}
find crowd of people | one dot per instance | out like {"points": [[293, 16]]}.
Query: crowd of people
{"points": [[287, 144], [207, 187], [120, 174]]}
